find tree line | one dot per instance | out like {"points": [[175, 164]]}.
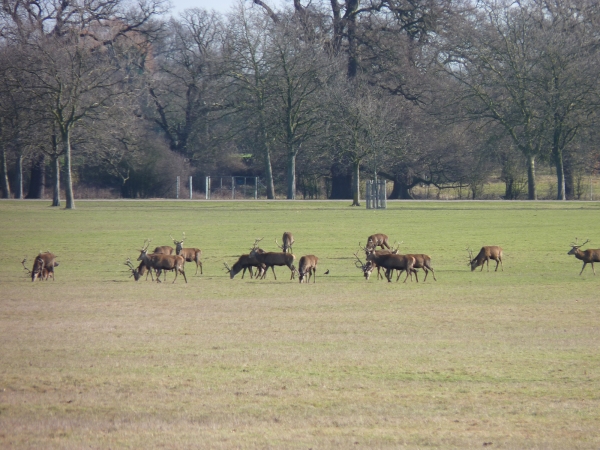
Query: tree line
{"points": [[444, 93]]}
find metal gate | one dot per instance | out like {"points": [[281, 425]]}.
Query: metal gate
{"points": [[376, 194]]}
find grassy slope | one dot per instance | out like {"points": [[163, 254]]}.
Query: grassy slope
{"points": [[94, 358]]}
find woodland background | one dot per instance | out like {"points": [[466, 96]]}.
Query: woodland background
{"points": [[117, 98]]}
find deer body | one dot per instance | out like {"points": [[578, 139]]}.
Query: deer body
{"points": [[288, 240], [587, 256], [160, 262], [392, 262], [272, 259], [190, 254], [377, 240], [245, 262], [43, 266], [308, 265], [486, 253], [422, 261]]}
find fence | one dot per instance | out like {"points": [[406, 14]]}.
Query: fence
{"points": [[376, 194], [232, 187]]}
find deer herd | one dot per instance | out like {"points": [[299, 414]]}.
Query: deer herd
{"points": [[258, 261]]}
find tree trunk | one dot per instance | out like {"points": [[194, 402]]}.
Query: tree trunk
{"points": [[356, 183], [37, 181], [401, 191], [56, 180], [531, 188], [5, 182], [269, 174], [66, 138], [19, 193], [291, 176], [560, 175]]}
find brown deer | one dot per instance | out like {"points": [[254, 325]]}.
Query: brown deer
{"points": [[421, 262], [308, 265], [288, 240], [377, 240], [272, 259], [389, 262], [378, 253], [190, 254], [587, 256], [135, 273], [43, 266], [486, 253], [160, 262], [245, 262]]}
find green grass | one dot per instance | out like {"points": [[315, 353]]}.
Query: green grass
{"points": [[97, 360]]}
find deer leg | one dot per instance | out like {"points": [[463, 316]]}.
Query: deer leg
{"points": [[583, 268], [497, 263], [398, 277], [273, 269], [183, 273], [592, 263], [426, 273], [416, 276], [200, 263]]}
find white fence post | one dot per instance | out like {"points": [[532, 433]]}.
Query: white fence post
{"points": [[177, 189], [191, 188]]}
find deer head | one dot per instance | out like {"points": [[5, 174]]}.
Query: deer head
{"points": [[134, 272], [575, 246]]}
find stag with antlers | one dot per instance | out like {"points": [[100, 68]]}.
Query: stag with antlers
{"points": [[587, 256], [486, 253], [135, 273], [43, 266], [272, 259], [288, 240], [190, 254], [160, 262], [246, 262]]}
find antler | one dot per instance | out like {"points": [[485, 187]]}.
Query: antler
{"points": [[23, 262], [256, 241], [470, 254], [146, 244], [358, 263], [395, 250], [227, 267], [277, 243], [576, 245]]}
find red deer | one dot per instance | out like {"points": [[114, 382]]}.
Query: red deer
{"points": [[377, 240], [368, 251], [162, 262], [272, 259], [389, 262], [135, 273], [587, 256], [288, 240], [43, 266], [245, 262], [190, 254], [486, 253], [308, 265], [421, 262]]}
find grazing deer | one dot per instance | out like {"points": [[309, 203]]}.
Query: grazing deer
{"points": [[368, 251], [160, 262], [587, 256], [135, 273], [288, 240], [190, 254], [377, 240], [486, 253], [245, 262], [308, 265], [43, 266], [272, 259], [389, 262]]}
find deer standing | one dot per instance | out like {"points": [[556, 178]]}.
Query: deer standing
{"points": [[272, 259], [308, 265], [190, 254], [486, 253], [160, 262], [378, 240], [587, 256], [389, 262], [245, 262], [43, 266], [422, 261], [288, 240]]}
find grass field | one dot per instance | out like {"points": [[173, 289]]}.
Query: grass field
{"points": [[505, 360]]}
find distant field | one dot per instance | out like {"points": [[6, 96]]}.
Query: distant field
{"points": [[497, 360]]}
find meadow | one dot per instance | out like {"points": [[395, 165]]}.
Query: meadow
{"points": [[503, 360]]}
